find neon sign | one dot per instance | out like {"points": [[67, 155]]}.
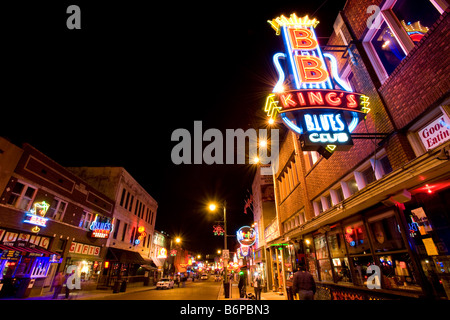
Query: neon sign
{"points": [[317, 104], [36, 215], [101, 227], [246, 236], [141, 236], [36, 220], [162, 253]]}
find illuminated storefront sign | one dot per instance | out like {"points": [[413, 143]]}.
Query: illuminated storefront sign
{"points": [[317, 104], [36, 215], [101, 227], [140, 235], [246, 236], [162, 253]]}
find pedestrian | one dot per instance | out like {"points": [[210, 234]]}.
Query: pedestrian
{"points": [[241, 285], [58, 284], [304, 284], [257, 285]]}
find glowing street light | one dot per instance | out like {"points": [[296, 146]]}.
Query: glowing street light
{"points": [[213, 207]]}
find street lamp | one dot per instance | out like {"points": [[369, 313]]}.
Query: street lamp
{"points": [[213, 207]]}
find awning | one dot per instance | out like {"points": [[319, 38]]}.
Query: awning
{"points": [[26, 249], [124, 256]]}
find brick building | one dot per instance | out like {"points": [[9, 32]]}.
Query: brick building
{"points": [[384, 202], [46, 223]]}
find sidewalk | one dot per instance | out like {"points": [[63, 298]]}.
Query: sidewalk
{"points": [[234, 293], [89, 294]]}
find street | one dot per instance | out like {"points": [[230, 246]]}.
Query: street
{"points": [[197, 290]]}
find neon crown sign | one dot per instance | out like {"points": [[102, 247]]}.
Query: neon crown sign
{"points": [[312, 100]]}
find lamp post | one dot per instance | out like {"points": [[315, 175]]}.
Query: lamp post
{"points": [[226, 287]]}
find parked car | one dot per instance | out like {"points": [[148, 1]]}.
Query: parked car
{"points": [[164, 283], [204, 277]]}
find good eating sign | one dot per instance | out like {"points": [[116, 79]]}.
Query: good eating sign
{"points": [[312, 101]]}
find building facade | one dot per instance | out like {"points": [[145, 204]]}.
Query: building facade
{"points": [[384, 202], [50, 221], [130, 244]]}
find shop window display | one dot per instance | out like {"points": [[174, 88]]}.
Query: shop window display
{"points": [[356, 238], [338, 256], [310, 257], [385, 232], [320, 244], [397, 272], [360, 265]]}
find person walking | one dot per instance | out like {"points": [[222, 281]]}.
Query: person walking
{"points": [[257, 285], [304, 284], [58, 284]]}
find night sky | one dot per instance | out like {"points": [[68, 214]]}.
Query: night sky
{"points": [[112, 93]]}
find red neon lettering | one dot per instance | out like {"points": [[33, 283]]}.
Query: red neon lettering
{"points": [[287, 101], [315, 98], [351, 103], [331, 99], [302, 39], [301, 99], [310, 69]]}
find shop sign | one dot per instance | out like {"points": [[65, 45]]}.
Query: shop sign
{"points": [[85, 249], [141, 234], [317, 105], [435, 133], [162, 253], [246, 236], [36, 216], [101, 227]]}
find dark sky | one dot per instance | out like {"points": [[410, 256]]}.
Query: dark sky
{"points": [[112, 93]]}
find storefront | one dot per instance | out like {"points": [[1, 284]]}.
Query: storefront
{"points": [[85, 260], [339, 256], [24, 262]]}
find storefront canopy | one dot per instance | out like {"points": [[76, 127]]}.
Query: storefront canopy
{"points": [[124, 256], [26, 249]]}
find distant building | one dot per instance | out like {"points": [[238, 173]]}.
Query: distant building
{"points": [[134, 221]]}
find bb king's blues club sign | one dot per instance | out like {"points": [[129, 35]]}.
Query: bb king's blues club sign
{"points": [[309, 96]]}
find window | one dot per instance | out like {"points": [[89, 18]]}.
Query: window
{"points": [[116, 228], [387, 48], [57, 209], [320, 243], [415, 19], [127, 200], [369, 175], [338, 252], [352, 186], [86, 220], [385, 232], [356, 238], [403, 24], [310, 257], [122, 198], [317, 205], [311, 157], [397, 272], [124, 231], [21, 196], [386, 165], [131, 203]]}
